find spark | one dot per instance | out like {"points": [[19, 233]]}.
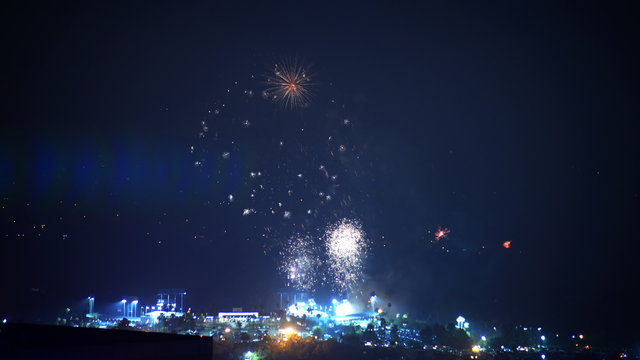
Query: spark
{"points": [[289, 84], [506, 244], [247, 212]]}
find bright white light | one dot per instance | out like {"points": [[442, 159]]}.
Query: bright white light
{"points": [[483, 338], [345, 308], [134, 302], [4, 321], [543, 356], [460, 319], [123, 301], [346, 247], [543, 338]]}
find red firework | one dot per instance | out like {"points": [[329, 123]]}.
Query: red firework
{"points": [[441, 233]]}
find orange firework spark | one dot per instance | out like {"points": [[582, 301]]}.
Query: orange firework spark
{"points": [[289, 84], [506, 244]]}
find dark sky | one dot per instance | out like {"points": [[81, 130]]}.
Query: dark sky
{"points": [[500, 122]]}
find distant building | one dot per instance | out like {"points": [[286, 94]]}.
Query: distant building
{"points": [[151, 318], [235, 316]]}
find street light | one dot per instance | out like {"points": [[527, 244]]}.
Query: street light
{"points": [[182, 294], [91, 300], [373, 301], [135, 307]]}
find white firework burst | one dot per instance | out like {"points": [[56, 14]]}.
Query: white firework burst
{"points": [[300, 263], [346, 247]]}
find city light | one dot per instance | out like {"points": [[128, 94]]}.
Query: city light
{"points": [[345, 308], [134, 304], [287, 332], [91, 302], [483, 338], [373, 301], [543, 338], [476, 348], [460, 320]]}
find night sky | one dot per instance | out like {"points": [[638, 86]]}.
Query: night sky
{"points": [[498, 122]]}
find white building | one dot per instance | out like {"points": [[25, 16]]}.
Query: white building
{"points": [[234, 316]]}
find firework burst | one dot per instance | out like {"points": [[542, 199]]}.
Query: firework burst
{"points": [[346, 247], [300, 263], [441, 233], [289, 84]]}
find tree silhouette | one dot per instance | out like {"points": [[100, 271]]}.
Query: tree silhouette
{"points": [[426, 335], [317, 332], [244, 337], [123, 324], [395, 338], [370, 334]]}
